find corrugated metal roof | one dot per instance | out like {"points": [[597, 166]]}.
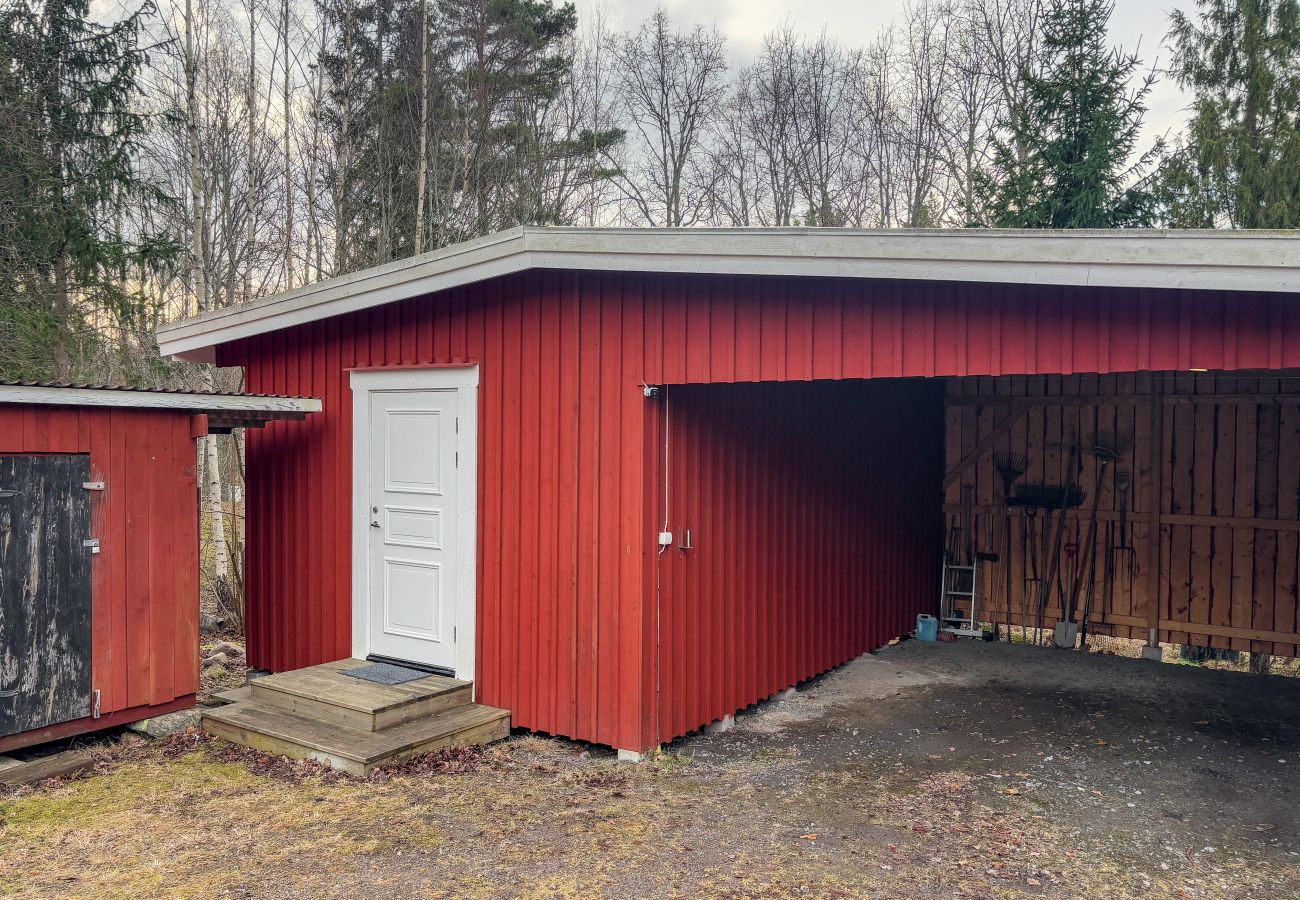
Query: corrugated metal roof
{"points": [[225, 409], [91, 386]]}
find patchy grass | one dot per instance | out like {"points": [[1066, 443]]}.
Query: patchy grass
{"points": [[532, 818], [1002, 785]]}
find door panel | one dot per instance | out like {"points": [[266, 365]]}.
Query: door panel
{"points": [[413, 536], [45, 597]]}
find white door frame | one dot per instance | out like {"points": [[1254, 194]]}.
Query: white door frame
{"points": [[465, 380]]}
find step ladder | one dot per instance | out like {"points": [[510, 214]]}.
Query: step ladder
{"points": [[959, 599]]}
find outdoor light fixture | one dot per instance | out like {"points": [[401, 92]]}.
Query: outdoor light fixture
{"points": [[651, 391]]}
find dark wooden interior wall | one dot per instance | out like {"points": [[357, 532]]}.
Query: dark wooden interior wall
{"points": [[1216, 472]]}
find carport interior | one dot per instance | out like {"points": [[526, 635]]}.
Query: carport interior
{"points": [[805, 526], [807, 522], [1198, 517]]}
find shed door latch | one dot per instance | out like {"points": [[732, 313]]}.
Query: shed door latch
{"points": [[93, 485], [92, 545], [6, 494]]}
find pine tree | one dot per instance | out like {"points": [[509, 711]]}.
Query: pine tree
{"points": [[1240, 162], [1065, 157], [67, 179]]}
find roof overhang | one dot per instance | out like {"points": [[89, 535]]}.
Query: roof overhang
{"points": [[1250, 261], [224, 411]]}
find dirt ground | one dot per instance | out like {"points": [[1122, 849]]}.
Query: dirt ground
{"points": [[924, 770]]}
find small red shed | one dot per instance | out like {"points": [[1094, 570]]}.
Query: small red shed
{"points": [[632, 480], [99, 551]]}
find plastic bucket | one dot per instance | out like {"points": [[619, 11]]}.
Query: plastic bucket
{"points": [[927, 628]]}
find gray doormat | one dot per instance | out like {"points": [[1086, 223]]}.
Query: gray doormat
{"points": [[385, 673]]}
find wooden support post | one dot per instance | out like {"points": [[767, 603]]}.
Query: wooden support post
{"points": [[1154, 511]]}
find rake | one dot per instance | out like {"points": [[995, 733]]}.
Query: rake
{"points": [[1106, 448]]}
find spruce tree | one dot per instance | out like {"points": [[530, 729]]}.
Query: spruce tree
{"points": [[1239, 165], [1065, 158], [68, 179]]}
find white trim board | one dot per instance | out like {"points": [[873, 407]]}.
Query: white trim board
{"points": [[465, 380], [1244, 261], [55, 395]]}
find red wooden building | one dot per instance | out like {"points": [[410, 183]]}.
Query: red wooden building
{"points": [[630, 481], [99, 551]]}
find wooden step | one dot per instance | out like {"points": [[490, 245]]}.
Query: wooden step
{"points": [[323, 692], [276, 730], [234, 695]]}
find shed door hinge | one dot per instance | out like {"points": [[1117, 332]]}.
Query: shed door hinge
{"points": [[453, 634], [93, 485], [6, 494], [458, 424], [458, 459], [94, 704]]}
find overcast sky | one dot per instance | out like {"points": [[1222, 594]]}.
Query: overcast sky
{"points": [[855, 22]]}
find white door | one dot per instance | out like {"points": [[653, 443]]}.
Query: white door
{"points": [[419, 542]]}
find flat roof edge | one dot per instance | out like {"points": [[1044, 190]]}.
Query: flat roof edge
{"points": [[1188, 260]]}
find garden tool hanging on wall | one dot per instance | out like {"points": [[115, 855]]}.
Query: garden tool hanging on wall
{"points": [[1106, 448], [1126, 555], [1067, 497]]}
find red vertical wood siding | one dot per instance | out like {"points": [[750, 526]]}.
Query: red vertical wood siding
{"points": [[815, 515], [145, 580], [567, 484]]}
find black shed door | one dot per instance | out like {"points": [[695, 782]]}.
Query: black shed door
{"points": [[44, 591]]}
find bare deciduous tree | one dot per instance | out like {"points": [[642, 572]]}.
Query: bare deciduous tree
{"points": [[671, 87]]}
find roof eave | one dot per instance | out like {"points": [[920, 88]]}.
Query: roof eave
{"points": [[1267, 262]]}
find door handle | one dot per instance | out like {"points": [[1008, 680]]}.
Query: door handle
{"points": [[374, 524]]}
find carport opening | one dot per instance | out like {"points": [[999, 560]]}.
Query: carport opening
{"points": [[808, 522]]}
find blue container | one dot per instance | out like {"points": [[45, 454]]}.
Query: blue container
{"points": [[927, 628]]}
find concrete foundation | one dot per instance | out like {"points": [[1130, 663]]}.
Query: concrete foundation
{"points": [[721, 726], [630, 756], [1155, 653]]}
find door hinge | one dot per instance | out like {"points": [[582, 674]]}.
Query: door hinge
{"points": [[92, 545], [458, 459], [6, 494], [453, 634], [94, 705], [93, 485], [458, 424]]}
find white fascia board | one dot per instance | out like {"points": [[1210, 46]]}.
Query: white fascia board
{"points": [[491, 257], [1192, 260], [194, 402]]}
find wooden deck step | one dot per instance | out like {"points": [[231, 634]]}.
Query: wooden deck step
{"points": [[323, 692], [253, 723], [234, 695]]}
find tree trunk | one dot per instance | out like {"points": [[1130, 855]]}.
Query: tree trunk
{"points": [[197, 269], [216, 507], [288, 162], [246, 292], [422, 175]]}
